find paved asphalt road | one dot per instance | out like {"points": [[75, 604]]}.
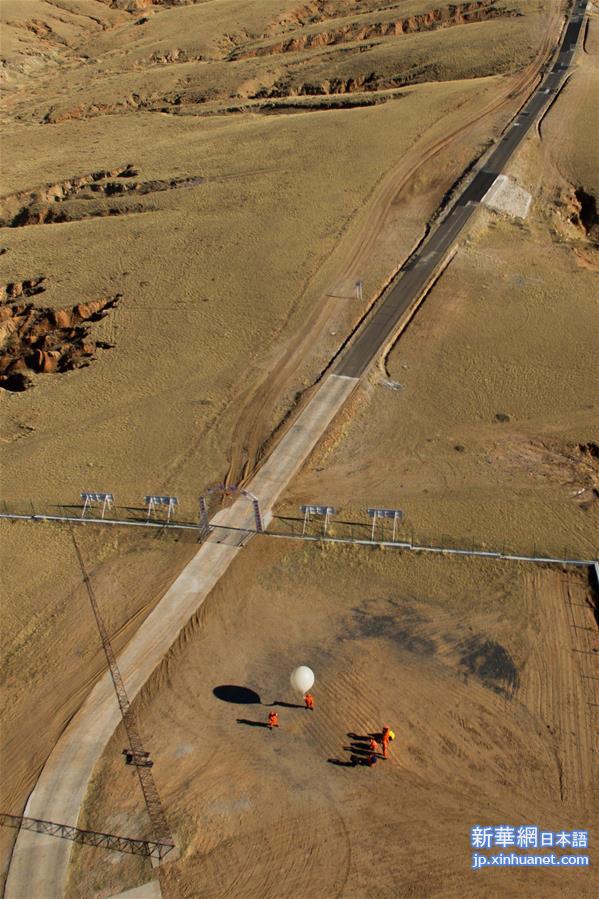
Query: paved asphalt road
{"points": [[413, 278]]}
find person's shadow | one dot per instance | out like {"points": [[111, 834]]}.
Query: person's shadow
{"points": [[353, 762], [374, 736], [286, 705], [251, 723], [359, 749]]}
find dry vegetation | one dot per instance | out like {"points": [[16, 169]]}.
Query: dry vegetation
{"points": [[491, 432], [166, 153], [184, 215]]}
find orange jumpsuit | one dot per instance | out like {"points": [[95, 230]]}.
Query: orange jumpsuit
{"points": [[309, 700], [373, 745], [273, 720], [385, 741]]}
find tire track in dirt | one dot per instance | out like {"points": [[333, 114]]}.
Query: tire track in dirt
{"points": [[558, 678]]}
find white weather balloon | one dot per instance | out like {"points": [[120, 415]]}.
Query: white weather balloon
{"points": [[302, 679]]}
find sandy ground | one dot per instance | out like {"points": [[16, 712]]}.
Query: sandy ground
{"points": [[493, 716]]}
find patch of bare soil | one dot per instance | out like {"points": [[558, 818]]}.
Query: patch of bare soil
{"points": [[482, 671], [352, 32], [15, 206], [319, 102], [53, 203], [135, 6], [42, 340], [575, 219]]}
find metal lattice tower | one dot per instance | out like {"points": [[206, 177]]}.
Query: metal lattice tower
{"points": [[139, 757]]}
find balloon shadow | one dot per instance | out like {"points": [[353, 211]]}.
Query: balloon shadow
{"points": [[251, 723], [233, 693]]}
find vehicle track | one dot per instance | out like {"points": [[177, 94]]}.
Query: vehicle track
{"points": [[555, 686]]}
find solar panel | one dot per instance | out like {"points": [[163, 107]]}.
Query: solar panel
{"points": [[102, 499], [395, 514], [318, 510], [161, 500]]}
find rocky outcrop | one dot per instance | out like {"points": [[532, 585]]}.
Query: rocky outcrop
{"points": [[14, 206], [50, 204], [357, 31], [36, 340]]}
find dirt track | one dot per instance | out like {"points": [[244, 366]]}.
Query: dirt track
{"points": [[569, 645], [255, 423]]}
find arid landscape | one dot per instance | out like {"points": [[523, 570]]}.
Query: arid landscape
{"points": [[190, 192]]}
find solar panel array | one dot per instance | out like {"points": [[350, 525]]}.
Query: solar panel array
{"points": [[395, 514], [318, 510], [97, 497]]}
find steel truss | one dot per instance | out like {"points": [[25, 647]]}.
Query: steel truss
{"points": [[149, 848]]}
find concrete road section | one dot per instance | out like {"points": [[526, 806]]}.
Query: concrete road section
{"points": [[145, 891], [39, 863]]}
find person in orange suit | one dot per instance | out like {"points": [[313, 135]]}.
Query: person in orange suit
{"points": [[309, 700], [273, 720], [373, 745], [386, 738]]}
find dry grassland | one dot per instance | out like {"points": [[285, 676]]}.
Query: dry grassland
{"points": [[214, 278], [493, 433], [219, 279]]}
